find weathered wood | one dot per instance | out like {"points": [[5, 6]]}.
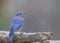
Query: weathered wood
{"points": [[26, 37]]}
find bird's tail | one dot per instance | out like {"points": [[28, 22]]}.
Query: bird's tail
{"points": [[10, 37]]}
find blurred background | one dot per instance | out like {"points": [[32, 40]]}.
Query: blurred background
{"points": [[42, 15]]}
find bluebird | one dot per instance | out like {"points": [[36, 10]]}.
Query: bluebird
{"points": [[16, 24]]}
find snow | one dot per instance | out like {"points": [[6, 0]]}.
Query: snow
{"points": [[54, 41]]}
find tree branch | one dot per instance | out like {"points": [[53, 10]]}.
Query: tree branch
{"points": [[26, 37]]}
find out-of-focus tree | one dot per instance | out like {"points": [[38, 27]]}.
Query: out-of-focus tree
{"points": [[5, 8], [1, 1]]}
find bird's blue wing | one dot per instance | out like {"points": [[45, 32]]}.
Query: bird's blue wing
{"points": [[11, 34], [19, 25], [15, 25]]}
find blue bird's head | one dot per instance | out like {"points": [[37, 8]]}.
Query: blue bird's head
{"points": [[20, 14]]}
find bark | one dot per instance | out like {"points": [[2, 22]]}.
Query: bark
{"points": [[26, 37]]}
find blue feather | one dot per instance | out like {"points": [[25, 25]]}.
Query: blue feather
{"points": [[16, 24]]}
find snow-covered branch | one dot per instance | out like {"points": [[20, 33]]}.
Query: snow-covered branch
{"points": [[26, 37]]}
